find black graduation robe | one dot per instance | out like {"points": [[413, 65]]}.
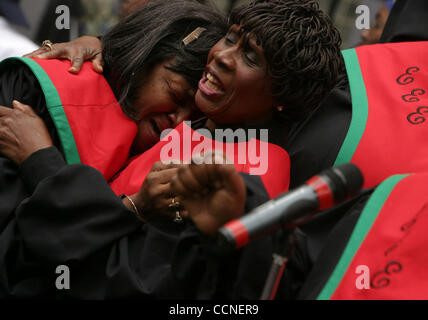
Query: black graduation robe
{"points": [[68, 215]]}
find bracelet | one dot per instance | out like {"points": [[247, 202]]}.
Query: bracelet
{"points": [[133, 205]]}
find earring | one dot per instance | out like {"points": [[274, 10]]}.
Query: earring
{"points": [[280, 108]]}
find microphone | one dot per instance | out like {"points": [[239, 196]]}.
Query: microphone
{"points": [[292, 208]]}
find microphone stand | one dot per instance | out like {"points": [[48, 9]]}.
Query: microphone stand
{"points": [[283, 249]]}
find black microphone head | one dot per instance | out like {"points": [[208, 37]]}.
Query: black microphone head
{"points": [[346, 180]]}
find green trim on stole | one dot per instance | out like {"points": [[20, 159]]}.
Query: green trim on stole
{"points": [[364, 224], [55, 108], [360, 107]]}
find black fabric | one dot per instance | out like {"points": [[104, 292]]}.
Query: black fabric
{"points": [[314, 143], [74, 219], [18, 83], [277, 131], [407, 21], [334, 246], [41, 164], [68, 220]]}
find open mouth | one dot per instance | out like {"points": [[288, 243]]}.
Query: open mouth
{"points": [[210, 84], [213, 83]]}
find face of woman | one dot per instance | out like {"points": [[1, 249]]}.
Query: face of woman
{"points": [[164, 100], [235, 87]]}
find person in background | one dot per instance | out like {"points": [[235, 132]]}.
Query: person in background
{"points": [[373, 34], [128, 7], [12, 43]]}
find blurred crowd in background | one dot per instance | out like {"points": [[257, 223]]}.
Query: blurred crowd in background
{"points": [[94, 17]]}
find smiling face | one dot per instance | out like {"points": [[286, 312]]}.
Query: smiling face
{"points": [[235, 87], [163, 101]]}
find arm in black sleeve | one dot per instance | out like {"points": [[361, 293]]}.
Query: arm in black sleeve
{"points": [[71, 214], [17, 82], [40, 165], [73, 218]]}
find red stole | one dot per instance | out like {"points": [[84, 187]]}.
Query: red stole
{"points": [[389, 242], [389, 88], [275, 179], [91, 126]]}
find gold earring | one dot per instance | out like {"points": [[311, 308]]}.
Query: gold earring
{"points": [[280, 108]]}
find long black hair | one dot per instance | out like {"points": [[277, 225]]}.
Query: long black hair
{"points": [[153, 35]]}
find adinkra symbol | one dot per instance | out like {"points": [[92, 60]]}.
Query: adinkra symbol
{"points": [[406, 228], [381, 279], [412, 97], [418, 116], [406, 78]]}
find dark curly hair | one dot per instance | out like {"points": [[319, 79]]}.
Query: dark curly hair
{"points": [[301, 46], [154, 34]]}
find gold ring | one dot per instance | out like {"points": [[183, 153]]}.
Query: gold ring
{"points": [[175, 205], [47, 44]]}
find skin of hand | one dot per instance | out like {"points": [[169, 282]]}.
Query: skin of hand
{"points": [[77, 51], [155, 195], [212, 194], [22, 132]]}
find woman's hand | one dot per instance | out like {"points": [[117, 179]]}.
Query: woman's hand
{"points": [[22, 132], [212, 194], [77, 51], [155, 196]]}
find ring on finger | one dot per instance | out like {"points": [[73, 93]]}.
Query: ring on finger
{"points": [[175, 205], [47, 44]]}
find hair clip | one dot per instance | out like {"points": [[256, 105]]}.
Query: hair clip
{"points": [[193, 36]]}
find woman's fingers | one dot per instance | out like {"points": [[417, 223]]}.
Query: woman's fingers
{"points": [[179, 188], [34, 53], [5, 111], [77, 51], [58, 52], [23, 108], [97, 63], [76, 63]]}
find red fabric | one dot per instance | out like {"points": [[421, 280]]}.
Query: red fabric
{"points": [[395, 249], [391, 144], [275, 180], [102, 133]]}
